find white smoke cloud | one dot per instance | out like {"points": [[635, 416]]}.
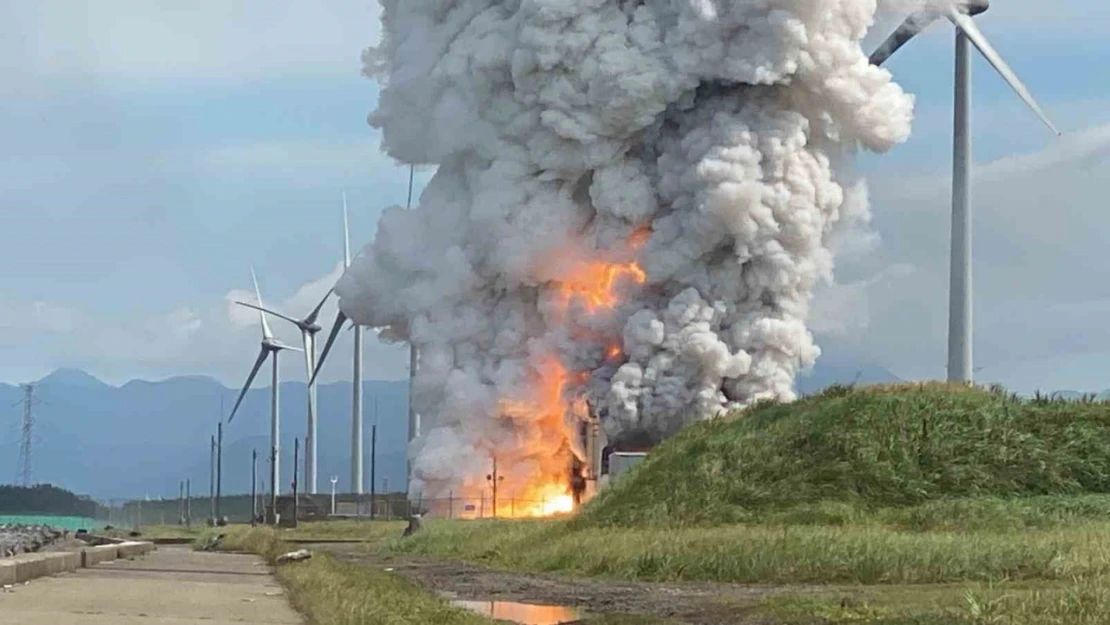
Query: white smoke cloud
{"points": [[563, 131]]}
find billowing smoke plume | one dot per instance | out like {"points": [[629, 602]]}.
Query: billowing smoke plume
{"points": [[632, 207]]}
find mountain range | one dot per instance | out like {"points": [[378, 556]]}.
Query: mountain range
{"points": [[144, 438]]}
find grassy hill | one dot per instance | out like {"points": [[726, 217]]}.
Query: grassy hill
{"points": [[870, 447]]}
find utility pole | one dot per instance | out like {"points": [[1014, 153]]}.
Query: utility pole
{"points": [[188, 502], [181, 503], [212, 479], [24, 468], [373, 457], [219, 468], [494, 478], [296, 470], [254, 499]]}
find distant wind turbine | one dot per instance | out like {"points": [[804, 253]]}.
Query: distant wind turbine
{"points": [[356, 376], [270, 345], [340, 319], [967, 33], [309, 329]]}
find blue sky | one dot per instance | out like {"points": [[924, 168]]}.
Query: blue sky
{"points": [[150, 154]]}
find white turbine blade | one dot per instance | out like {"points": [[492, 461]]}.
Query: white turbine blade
{"points": [[311, 318], [266, 333], [909, 29], [269, 312], [250, 378], [966, 24], [346, 236], [306, 341], [280, 345], [340, 319]]}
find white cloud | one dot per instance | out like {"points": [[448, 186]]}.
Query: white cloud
{"points": [[297, 305], [1040, 246], [20, 317], [219, 340], [842, 310], [142, 40]]}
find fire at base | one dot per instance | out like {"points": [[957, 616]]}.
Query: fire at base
{"points": [[631, 209]]}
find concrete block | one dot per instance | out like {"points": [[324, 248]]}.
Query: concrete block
{"points": [[134, 549], [91, 556], [7, 572], [29, 566]]}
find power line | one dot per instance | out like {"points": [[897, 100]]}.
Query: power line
{"points": [[23, 471]]}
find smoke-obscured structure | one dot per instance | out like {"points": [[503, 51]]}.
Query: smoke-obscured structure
{"points": [[633, 204]]}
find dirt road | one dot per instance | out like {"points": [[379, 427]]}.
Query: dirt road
{"points": [[696, 604]]}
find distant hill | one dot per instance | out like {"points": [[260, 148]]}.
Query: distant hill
{"points": [[144, 438], [828, 372]]}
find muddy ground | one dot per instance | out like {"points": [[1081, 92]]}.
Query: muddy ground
{"points": [[692, 603]]}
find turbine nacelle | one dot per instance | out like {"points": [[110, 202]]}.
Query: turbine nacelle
{"points": [[973, 7], [960, 14]]}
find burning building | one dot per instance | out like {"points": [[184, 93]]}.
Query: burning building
{"points": [[632, 205]]}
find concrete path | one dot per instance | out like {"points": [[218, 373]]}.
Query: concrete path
{"points": [[171, 586]]}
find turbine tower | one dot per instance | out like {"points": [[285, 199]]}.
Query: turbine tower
{"points": [[308, 329], [356, 376], [356, 381], [414, 362], [967, 34], [269, 345]]}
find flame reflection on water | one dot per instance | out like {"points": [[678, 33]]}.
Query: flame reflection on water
{"points": [[523, 613]]}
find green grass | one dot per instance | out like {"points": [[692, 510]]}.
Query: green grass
{"points": [[858, 553], [345, 530], [913, 504], [879, 447], [330, 592], [1083, 601]]}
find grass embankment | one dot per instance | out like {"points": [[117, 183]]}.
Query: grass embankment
{"points": [[959, 487], [874, 447]]}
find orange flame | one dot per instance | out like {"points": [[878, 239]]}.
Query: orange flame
{"points": [[639, 237], [594, 282], [549, 491]]}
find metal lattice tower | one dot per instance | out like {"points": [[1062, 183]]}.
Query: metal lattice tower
{"points": [[24, 468]]}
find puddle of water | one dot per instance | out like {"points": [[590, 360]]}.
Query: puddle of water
{"points": [[523, 613]]}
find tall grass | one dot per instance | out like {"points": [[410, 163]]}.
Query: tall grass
{"points": [[881, 447], [330, 592], [866, 553]]}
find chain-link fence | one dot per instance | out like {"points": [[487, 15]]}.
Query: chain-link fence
{"points": [[484, 505]]}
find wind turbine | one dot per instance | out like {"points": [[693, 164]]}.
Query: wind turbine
{"points": [[356, 397], [270, 345], [309, 329], [967, 34]]}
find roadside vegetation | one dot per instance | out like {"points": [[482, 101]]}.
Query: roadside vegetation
{"points": [[921, 504], [937, 504], [330, 592]]}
